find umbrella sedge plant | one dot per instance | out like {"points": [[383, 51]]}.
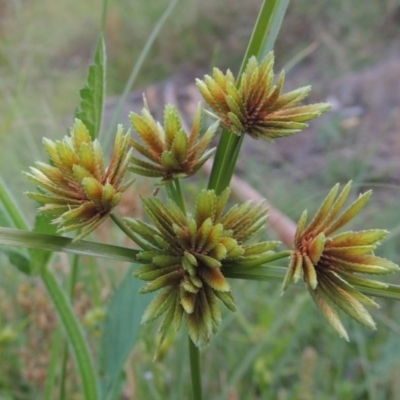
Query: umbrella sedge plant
{"points": [[188, 253]]}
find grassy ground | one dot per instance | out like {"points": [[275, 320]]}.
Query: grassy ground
{"points": [[273, 347]]}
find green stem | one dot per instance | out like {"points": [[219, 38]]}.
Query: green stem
{"points": [[267, 273], [174, 192], [64, 361], [12, 208], [179, 196], [121, 225], [74, 335], [267, 258], [194, 355], [229, 145], [262, 28], [54, 360], [73, 278]]}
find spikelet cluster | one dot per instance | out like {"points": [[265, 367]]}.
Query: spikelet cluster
{"points": [[330, 264], [76, 187], [170, 152], [255, 105], [186, 256]]}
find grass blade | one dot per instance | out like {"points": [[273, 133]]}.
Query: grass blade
{"points": [[33, 240], [120, 332], [74, 335], [135, 71], [272, 273], [54, 359]]}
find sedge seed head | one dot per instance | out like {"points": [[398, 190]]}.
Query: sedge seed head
{"points": [[76, 187], [168, 150], [185, 256], [330, 263], [254, 105]]}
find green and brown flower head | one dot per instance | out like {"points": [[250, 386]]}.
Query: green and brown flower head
{"points": [[187, 254], [171, 152], [254, 105], [76, 188], [329, 264]]}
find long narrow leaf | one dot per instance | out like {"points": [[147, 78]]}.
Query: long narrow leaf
{"points": [[74, 335], [33, 240], [268, 273], [120, 332], [10, 214], [275, 25]]}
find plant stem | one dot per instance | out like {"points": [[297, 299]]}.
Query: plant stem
{"points": [[12, 208], [74, 335], [195, 370], [179, 195], [54, 360], [71, 289], [267, 258], [229, 145], [174, 192], [121, 225]]}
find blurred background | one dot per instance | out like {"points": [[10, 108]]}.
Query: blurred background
{"points": [[273, 348]]}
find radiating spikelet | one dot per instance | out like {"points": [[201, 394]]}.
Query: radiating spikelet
{"points": [[191, 257], [78, 190], [254, 105], [329, 264], [170, 152]]}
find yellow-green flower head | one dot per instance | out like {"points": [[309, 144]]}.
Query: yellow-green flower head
{"points": [[76, 188], [254, 105], [329, 264], [186, 256], [170, 151]]}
